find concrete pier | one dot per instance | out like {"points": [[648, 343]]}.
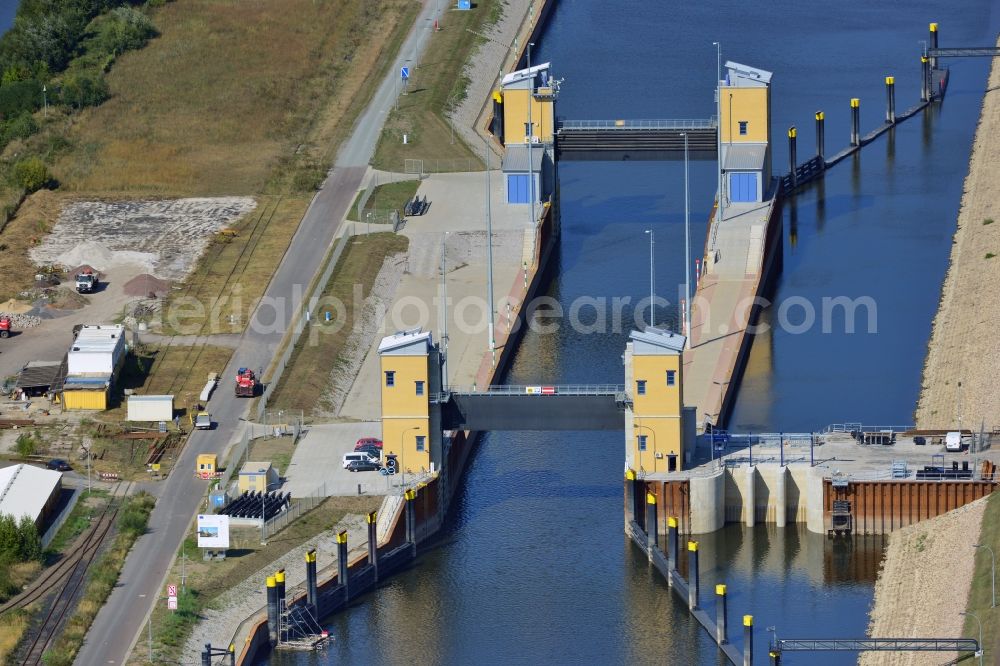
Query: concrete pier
{"points": [[750, 497]]}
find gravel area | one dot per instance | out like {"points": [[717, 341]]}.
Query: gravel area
{"points": [[249, 597], [163, 237], [924, 584], [483, 67], [959, 381]]}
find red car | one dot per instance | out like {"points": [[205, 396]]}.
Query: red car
{"points": [[367, 442]]}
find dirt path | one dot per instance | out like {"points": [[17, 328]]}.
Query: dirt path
{"points": [[963, 358], [924, 584]]}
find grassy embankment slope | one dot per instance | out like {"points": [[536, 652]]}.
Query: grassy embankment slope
{"points": [[436, 85]]}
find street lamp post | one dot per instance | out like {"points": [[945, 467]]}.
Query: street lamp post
{"points": [[687, 251], [489, 250], [718, 126], [652, 281], [642, 427], [402, 452], [979, 653], [531, 137], [993, 573]]}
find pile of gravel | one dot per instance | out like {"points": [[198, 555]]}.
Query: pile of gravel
{"points": [[20, 321], [145, 285]]}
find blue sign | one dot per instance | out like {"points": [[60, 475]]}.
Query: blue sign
{"points": [[404, 73], [465, 4]]}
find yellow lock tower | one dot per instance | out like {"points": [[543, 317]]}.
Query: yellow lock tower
{"points": [[411, 419], [657, 426]]}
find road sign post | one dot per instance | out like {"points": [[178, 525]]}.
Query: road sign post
{"points": [[404, 74]]}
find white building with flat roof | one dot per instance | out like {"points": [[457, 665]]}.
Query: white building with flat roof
{"points": [[97, 350], [30, 491]]}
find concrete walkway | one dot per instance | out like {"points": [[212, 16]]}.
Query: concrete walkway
{"points": [[249, 597], [721, 308], [457, 216]]}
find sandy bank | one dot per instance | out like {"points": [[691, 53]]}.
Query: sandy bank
{"points": [[963, 357], [924, 584]]}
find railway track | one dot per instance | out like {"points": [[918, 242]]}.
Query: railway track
{"points": [[256, 232], [66, 578]]}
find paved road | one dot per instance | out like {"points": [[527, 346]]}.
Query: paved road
{"points": [[120, 621]]}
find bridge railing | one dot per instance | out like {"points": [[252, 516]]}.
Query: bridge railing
{"points": [[672, 124], [858, 427], [539, 389]]}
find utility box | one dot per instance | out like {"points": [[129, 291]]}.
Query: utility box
{"points": [[150, 408]]}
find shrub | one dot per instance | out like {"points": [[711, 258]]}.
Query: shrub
{"points": [[25, 445], [20, 127], [83, 88], [31, 174]]}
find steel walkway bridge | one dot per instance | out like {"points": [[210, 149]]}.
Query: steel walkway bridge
{"points": [[635, 139], [784, 645], [965, 52], [567, 407]]}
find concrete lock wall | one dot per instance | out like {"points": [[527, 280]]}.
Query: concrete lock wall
{"points": [[708, 494], [777, 494]]}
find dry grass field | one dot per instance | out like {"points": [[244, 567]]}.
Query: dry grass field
{"points": [[248, 97], [233, 97]]}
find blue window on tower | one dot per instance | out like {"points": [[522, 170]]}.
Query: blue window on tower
{"points": [[420, 388], [642, 442], [743, 127], [640, 387], [671, 377], [390, 378], [421, 442]]}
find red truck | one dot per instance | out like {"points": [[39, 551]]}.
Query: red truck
{"points": [[246, 383], [5, 326]]}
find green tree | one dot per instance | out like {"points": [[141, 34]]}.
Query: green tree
{"points": [[31, 174], [126, 29], [82, 88], [9, 539], [29, 541]]}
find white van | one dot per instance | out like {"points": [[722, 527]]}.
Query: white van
{"points": [[358, 455], [953, 441]]}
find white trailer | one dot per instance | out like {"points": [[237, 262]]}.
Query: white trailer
{"points": [[150, 408]]}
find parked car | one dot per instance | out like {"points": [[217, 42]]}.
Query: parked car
{"points": [[359, 456], [372, 451], [363, 466], [366, 442], [203, 421], [59, 465]]}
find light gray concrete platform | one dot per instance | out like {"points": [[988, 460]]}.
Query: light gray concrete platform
{"points": [[317, 465]]}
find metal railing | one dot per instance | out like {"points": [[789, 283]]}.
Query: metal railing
{"points": [[858, 427], [683, 124], [538, 389], [878, 645]]}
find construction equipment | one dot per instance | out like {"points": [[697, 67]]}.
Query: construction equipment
{"points": [[86, 281], [246, 383], [5, 326]]}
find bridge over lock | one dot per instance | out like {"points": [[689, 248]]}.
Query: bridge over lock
{"points": [[537, 407]]}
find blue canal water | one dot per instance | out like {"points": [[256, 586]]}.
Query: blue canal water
{"points": [[533, 566], [7, 10]]}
